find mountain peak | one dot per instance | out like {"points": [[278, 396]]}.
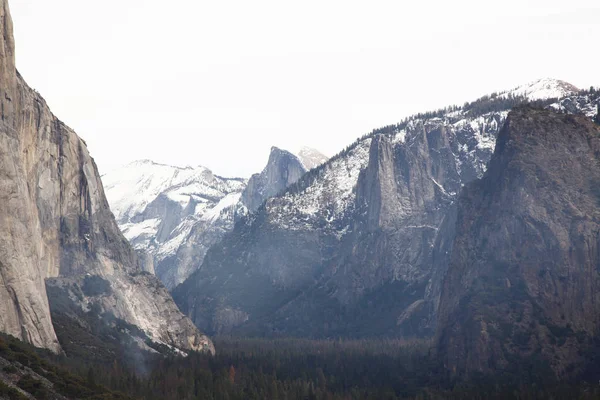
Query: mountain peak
{"points": [[276, 151], [283, 169], [152, 163], [545, 88], [277, 155], [311, 158]]}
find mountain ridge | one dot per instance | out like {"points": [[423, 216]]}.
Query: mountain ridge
{"points": [[359, 255]]}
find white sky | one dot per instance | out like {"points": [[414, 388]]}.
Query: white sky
{"points": [[217, 83]]}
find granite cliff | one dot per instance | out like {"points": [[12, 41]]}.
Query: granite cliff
{"points": [[57, 227], [523, 275]]}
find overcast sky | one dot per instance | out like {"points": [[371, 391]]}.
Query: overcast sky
{"points": [[217, 83]]}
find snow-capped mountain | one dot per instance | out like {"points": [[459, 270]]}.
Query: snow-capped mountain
{"points": [[350, 249], [134, 187], [311, 158], [542, 89], [157, 206], [282, 170], [173, 215]]}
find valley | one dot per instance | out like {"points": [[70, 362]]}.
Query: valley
{"points": [[454, 254]]}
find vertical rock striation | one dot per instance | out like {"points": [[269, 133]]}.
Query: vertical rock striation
{"points": [[282, 170], [28, 252], [524, 274], [57, 226]]}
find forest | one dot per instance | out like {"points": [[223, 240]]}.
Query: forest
{"points": [[290, 369]]}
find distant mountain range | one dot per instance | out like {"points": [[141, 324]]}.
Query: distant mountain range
{"points": [[405, 233], [477, 226], [173, 215], [359, 246]]}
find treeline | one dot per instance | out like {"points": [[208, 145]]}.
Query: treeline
{"points": [[286, 369], [297, 369]]}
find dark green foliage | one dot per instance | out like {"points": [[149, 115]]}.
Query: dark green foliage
{"points": [[33, 386], [10, 369], [298, 369], [493, 103], [293, 369], [44, 364], [10, 393]]}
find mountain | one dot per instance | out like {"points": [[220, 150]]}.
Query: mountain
{"points": [[60, 247], [311, 158], [282, 170], [523, 271], [356, 247], [543, 89], [158, 207], [173, 215]]}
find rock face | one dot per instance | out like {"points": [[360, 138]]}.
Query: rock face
{"points": [[26, 259], [524, 267], [282, 170], [357, 247], [58, 226]]}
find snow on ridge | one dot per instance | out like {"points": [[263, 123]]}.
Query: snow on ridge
{"points": [[333, 190], [131, 188], [311, 158], [193, 194], [231, 200], [331, 195], [543, 89]]}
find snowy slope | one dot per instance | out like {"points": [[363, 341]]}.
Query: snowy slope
{"points": [[133, 187], [311, 158], [158, 205], [543, 89]]}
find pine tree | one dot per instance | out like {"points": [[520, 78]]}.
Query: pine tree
{"points": [[597, 118]]}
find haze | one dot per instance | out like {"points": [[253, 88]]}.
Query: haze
{"points": [[218, 83]]}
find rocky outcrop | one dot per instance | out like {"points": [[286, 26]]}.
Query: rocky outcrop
{"points": [[282, 170], [523, 272], [58, 226]]}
